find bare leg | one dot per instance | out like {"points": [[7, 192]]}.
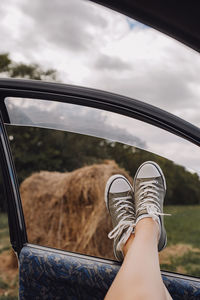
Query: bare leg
{"points": [[139, 276]]}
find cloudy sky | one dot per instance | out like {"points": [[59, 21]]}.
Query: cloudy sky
{"points": [[92, 46]]}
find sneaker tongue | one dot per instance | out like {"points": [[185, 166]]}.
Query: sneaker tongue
{"points": [[142, 212], [129, 218], [142, 180], [119, 195]]}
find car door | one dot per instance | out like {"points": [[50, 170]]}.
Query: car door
{"points": [[57, 220]]}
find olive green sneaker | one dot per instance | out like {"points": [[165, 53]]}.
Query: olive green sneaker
{"points": [[119, 200], [150, 189]]}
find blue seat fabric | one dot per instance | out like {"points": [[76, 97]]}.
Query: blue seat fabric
{"points": [[50, 274]]}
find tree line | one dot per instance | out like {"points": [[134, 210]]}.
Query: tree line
{"points": [[36, 149]]}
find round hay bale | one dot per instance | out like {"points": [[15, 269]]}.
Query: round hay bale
{"points": [[67, 210]]}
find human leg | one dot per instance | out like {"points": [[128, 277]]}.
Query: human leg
{"points": [[139, 276]]}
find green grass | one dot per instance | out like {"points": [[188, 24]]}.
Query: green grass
{"points": [[188, 263], [4, 233], [6, 287], [3, 221], [183, 226], [3, 285]]}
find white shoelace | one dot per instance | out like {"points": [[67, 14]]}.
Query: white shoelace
{"points": [[124, 225], [148, 192]]}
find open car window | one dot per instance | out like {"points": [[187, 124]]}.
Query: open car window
{"points": [[64, 154], [103, 124]]}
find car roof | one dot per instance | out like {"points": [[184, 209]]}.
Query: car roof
{"points": [[179, 19]]}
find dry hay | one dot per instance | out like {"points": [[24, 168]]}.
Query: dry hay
{"points": [[8, 263], [176, 251], [67, 210], [8, 273]]}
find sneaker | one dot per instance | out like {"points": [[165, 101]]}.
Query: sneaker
{"points": [[119, 202], [150, 189]]}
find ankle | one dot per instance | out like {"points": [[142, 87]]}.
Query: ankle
{"points": [[128, 244], [148, 226]]}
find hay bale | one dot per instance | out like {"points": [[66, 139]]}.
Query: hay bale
{"points": [[67, 210]]}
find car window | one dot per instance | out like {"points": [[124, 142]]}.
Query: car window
{"points": [[64, 154], [103, 124]]}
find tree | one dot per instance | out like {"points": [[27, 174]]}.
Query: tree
{"points": [[36, 149], [12, 69], [21, 70], [5, 62]]}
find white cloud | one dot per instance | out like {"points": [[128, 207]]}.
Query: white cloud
{"points": [[92, 46]]}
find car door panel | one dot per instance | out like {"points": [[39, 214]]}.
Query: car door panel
{"points": [[53, 274]]}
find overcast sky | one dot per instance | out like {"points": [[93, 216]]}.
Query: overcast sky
{"points": [[92, 46]]}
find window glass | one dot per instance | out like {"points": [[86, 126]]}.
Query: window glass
{"points": [[63, 171], [100, 123]]}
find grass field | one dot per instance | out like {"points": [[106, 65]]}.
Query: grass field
{"points": [[182, 254], [8, 276], [183, 226]]}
